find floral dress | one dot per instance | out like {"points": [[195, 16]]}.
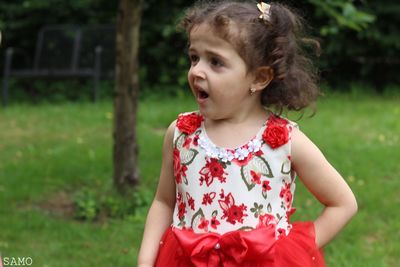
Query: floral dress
{"points": [[233, 205]]}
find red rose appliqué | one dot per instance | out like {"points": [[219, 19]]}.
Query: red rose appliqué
{"points": [[189, 123], [276, 134]]}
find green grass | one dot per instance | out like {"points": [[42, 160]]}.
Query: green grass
{"points": [[48, 149]]}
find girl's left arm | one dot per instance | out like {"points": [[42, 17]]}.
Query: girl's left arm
{"points": [[326, 184]]}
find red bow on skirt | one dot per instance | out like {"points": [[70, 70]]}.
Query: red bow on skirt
{"points": [[229, 249]]}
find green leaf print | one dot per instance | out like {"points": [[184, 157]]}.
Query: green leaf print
{"points": [[196, 219], [246, 228], [214, 213], [182, 222], [286, 169], [265, 194], [257, 209], [258, 165], [188, 155], [179, 141], [246, 177], [269, 208], [262, 166]]}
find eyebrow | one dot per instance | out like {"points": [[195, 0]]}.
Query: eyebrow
{"points": [[209, 52]]}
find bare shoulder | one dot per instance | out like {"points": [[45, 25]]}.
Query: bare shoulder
{"points": [[169, 134], [307, 158], [168, 140], [302, 145], [166, 185]]}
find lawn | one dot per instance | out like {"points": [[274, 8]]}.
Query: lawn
{"points": [[49, 152]]}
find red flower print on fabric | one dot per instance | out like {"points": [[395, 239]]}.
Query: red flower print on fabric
{"points": [[186, 143], [179, 169], [214, 222], [181, 206], [196, 140], [286, 195], [232, 212], [213, 169], [190, 201], [181, 210], [208, 198], [179, 197], [266, 219], [265, 186], [255, 177], [281, 233], [276, 134], [188, 123], [289, 213], [204, 224], [222, 194]]}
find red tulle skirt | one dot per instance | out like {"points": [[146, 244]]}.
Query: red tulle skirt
{"points": [[241, 248]]}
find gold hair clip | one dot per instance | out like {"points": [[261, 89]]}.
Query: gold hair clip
{"points": [[265, 11]]}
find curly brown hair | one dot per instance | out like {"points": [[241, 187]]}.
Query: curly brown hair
{"points": [[278, 43]]}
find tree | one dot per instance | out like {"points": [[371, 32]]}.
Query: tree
{"points": [[126, 89]]}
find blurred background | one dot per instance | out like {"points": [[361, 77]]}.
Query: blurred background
{"points": [[359, 40], [58, 203]]}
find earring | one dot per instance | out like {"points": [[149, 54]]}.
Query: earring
{"points": [[252, 91]]}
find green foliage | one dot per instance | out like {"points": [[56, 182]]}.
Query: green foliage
{"points": [[344, 15], [360, 39], [86, 206], [93, 204], [163, 56]]}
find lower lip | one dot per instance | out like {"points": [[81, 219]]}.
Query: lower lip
{"points": [[201, 100]]}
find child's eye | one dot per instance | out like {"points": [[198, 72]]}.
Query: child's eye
{"points": [[193, 58], [216, 62]]}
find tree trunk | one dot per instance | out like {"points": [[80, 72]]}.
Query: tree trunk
{"points": [[126, 94]]}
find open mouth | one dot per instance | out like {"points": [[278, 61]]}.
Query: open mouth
{"points": [[202, 94]]}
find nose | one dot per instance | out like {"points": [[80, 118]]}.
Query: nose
{"points": [[198, 70]]}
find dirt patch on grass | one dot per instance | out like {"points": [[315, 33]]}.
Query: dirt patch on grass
{"points": [[59, 204]]}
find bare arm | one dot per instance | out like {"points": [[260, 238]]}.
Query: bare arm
{"points": [[326, 184], [159, 217]]}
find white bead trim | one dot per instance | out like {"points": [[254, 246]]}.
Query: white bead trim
{"points": [[226, 155]]}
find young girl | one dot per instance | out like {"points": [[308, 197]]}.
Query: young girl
{"points": [[228, 174]]}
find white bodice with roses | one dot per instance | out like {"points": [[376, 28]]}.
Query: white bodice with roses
{"points": [[221, 190]]}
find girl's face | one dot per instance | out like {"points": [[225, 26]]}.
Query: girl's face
{"points": [[217, 76]]}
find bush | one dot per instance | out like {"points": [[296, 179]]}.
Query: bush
{"points": [[96, 205]]}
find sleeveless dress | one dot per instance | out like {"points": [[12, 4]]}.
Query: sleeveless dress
{"points": [[233, 206]]}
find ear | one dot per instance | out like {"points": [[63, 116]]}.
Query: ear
{"points": [[262, 77]]}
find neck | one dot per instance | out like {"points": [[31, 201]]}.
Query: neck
{"points": [[243, 116]]}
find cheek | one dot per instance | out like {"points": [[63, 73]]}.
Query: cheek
{"points": [[190, 77]]}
